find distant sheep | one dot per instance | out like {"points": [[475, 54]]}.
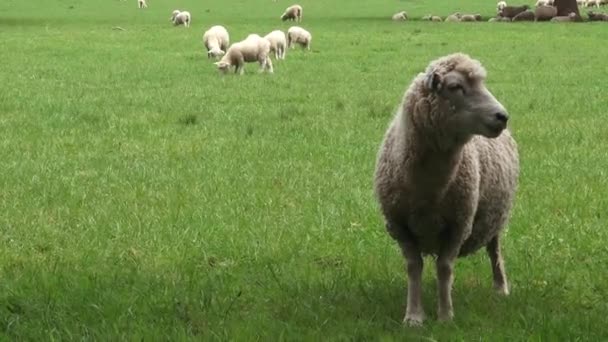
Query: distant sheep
{"points": [[400, 16], [591, 3], [446, 176], [512, 11], [252, 49], [454, 17], [500, 5], [524, 16], [142, 4], [182, 18], [278, 43], [293, 12], [470, 17], [544, 13], [216, 40], [298, 35]]}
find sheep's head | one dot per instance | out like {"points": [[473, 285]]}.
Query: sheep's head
{"points": [[215, 53], [174, 14], [222, 66], [467, 106]]}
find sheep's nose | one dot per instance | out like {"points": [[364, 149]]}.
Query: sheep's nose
{"points": [[502, 117]]}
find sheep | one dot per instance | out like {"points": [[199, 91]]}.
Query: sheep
{"points": [[432, 18], [446, 176], [293, 12], [470, 17], [544, 13], [182, 18], [400, 16], [173, 15], [216, 40], [591, 3], [500, 5], [565, 18], [597, 16], [524, 16], [278, 43], [252, 49], [454, 17], [512, 11], [298, 35], [142, 4]]}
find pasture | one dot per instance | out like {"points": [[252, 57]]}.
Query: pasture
{"points": [[144, 196]]}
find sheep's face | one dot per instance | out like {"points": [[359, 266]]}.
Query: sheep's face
{"points": [[222, 66], [469, 107]]}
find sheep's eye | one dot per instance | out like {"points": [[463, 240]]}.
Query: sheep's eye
{"points": [[456, 87]]}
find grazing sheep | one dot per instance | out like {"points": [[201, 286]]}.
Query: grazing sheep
{"points": [[597, 16], [454, 17], [432, 18], [544, 13], [173, 15], [512, 11], [400, 16], [182, 18], [470, 17], [278, 43], [524, 16], [142, 4], [446, 176], [298, 35], [591, 3], [293, 12], [252, 49], [216, 40], [500, 5]]}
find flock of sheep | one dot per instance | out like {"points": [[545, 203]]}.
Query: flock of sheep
{"points": [[254, 48], [543, 11]]}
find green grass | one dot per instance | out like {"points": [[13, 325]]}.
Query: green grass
{"points": [[145, 196]]}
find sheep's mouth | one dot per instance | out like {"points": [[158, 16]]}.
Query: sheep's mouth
{"points": [[494, 130]]}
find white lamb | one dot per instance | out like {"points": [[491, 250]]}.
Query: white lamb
{"points": [[293, 12], [173, 15], [298, 35], [182, 18], [142, 4], [278, 43], [500, 5], [216, 41], [252, 49]]}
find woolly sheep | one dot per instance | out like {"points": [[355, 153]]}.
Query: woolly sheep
{"points": [[524, 16], [500, 5], [597, 16], [278, 43], [142, 4], [436, 18], [446, 176], [216, 40], [454, 17], [544, 13], [400, 16], [293, 12], [173, 15], [298, 35], [591, 3], [252, 49], [182, 18], [512, 11]]}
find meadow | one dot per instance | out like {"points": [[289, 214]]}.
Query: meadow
{"points": [[144, 196]]}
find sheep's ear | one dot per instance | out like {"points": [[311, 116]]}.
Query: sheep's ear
{"points": [[433, 81]]}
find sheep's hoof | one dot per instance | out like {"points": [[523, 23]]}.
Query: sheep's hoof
{"points": [[414, 320]]}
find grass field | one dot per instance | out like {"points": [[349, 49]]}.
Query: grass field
{"points": [[144, 196]]}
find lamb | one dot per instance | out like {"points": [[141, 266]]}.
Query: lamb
{"points": [[293, 12], [454, 17], [524, 16], [544, 13], [278, 43], [173, 15], [400, 16], [298, 35], [216, 40], [512, 11], [500, 5], [182, 18], [446, 176], [597, 16], [142, 4], [252, 49]]}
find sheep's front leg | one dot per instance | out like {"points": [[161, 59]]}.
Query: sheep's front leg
{"points": [[269, 65], [498, 266]]}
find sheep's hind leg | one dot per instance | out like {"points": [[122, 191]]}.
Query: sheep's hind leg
{"points": [[498, 266]]}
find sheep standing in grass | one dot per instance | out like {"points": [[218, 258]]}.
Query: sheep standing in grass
{"points": [[182, 18], [216, 41], [400, 16], [142, 4], [252, 49], [470, 17], [454, 17], [298, 35], [446, 176], [278, 43], [293, 12]]}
